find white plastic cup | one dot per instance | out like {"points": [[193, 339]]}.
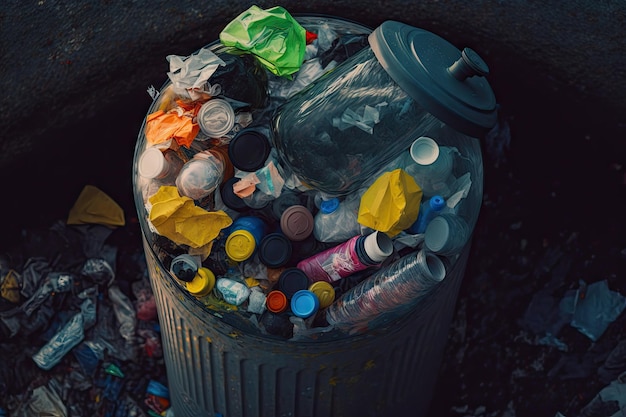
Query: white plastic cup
{"points": [[152, 164], [216, 118]]}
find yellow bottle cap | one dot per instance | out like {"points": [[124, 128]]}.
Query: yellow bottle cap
{"points": [[202, 283], [240, 245], [324, 292]]}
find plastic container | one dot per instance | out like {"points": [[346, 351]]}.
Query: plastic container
{"points": [[354, 255], [201, 175], [216, 118], [428, 211], [408, 83], [431, 166], [219, 362], [336, 221]]}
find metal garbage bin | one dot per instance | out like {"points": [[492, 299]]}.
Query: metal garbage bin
{"points": [[219, 364]]}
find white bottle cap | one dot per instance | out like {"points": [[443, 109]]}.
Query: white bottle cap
{"points": [[378, 246], [152, 164], [424, 150]]}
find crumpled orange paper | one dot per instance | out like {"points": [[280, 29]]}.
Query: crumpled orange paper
{"points": [[391, 204], [184, 223], [178, 125], [93, 206]]}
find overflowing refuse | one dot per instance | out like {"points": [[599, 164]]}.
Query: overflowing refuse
{"points": [[78, 322], [282, 157]]}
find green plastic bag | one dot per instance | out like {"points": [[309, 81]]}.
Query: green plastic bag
{"points": [[272, 35]]}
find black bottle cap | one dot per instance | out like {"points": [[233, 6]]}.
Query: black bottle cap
{"points": [[248, 150], [292, 280], [231, 199], [275, 250]]}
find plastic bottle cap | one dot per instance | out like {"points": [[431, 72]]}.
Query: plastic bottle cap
{"points": [[240, 245], [437, 234], [424, 150], [152, 163], [248, 150], [329, 206], [202, 283], [324, 291], [297, 222], [304, 304], [229, 198], [378, 246], [216, 118], [292, 280], [275, 250], [276, 301], [437, 202], [184, 267]]}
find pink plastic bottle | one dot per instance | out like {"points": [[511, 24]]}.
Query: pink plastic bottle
{"points": [[356, 254]]}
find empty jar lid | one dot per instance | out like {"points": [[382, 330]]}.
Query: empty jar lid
{"points": [[276, 301], [248, 150], [297, 222], [292, 280], [304, 304], [275, 250], [216, 118]]}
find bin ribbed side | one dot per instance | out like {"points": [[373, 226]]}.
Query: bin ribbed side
{"points": [[213, 368]]}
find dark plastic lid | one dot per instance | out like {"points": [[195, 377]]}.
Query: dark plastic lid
{"points": [[292, 280], [297, 223], [275, 250], [231, 199], [448, 83], [248, 150]]}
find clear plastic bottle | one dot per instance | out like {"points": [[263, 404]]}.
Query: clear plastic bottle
{"points": [[336, 221], [356, 254], [390, 290], [431, 166], [201, 175]]}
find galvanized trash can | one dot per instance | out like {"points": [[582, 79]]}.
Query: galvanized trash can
{"points": [[219, 363]]}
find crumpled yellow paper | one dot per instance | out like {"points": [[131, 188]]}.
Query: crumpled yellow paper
{"points": [[184, 223], [94, 206], [391, 204]]}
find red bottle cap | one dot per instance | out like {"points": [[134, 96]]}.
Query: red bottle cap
{"points": [[276, 302]]}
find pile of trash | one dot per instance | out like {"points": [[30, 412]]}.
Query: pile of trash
{"points": [[78, 322], [333, 246]]}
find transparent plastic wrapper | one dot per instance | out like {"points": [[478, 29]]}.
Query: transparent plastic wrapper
{"points": [[391, 290], [70, 335], [124, 313]]}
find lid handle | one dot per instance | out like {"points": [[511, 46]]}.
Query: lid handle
{"points": [[468, 65]]}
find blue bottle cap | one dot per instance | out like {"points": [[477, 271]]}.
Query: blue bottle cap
{"points": [[329, 206], [304, 303], [437, 202]]}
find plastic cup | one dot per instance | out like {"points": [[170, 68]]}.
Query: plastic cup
{"points": [[216, 118], [152, 164]]}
